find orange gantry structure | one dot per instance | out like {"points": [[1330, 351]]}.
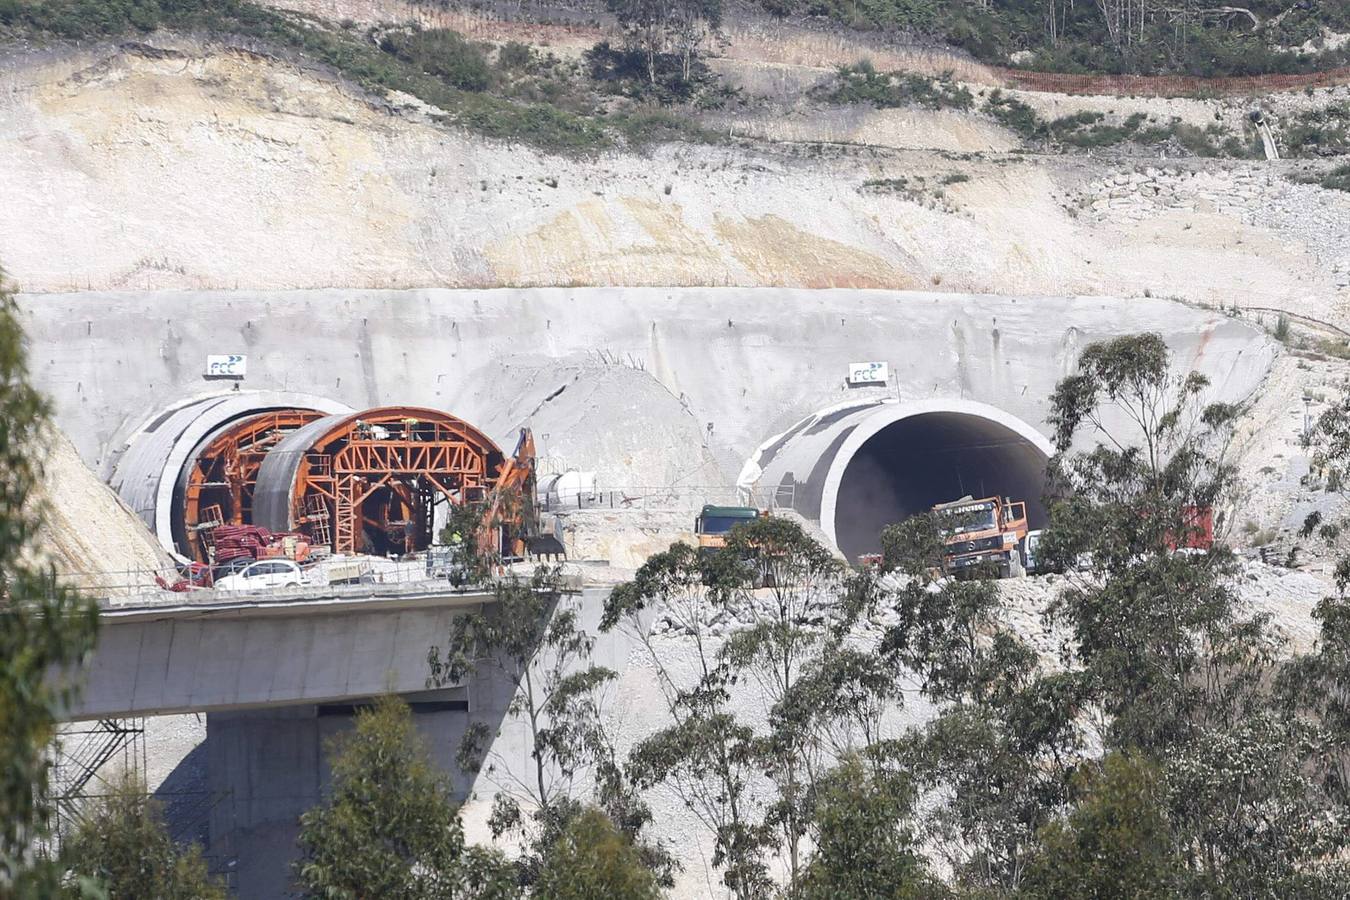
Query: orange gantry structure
{"points": [[218, 482], [369, 482], [366, 482]]}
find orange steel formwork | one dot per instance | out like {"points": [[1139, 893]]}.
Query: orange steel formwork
{"points": [[221, 478], [377, 475]]}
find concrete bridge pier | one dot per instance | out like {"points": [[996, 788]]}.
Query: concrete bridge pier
{"points": [[266, 767], [277, 676]]}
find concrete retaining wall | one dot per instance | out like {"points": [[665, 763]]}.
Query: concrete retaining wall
{"points": [[744, 364]]}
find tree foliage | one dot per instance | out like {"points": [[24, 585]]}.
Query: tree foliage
{"points": [[1116, 840], [864, 845], [43, 625], [706, 754], [594, 859], [1157, 635], [389, 827], [122, 845], [531, 636], [1161, 646], [1169, 750], [658, 28], [1116, 36], [754, 785], [999, 753]]}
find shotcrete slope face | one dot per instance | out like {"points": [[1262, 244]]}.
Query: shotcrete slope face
{"points": [[645, 387], [912, 464]]}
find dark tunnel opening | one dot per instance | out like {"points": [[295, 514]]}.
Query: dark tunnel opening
{"points": [[930, 458]]}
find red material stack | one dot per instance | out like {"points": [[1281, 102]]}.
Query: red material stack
{"points": [[235, 541]]}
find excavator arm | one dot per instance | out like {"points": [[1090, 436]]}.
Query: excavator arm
{"points": [[511, 501]]}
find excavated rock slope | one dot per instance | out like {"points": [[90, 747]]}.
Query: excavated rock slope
{"points": [[89, 536], [194, 166]]}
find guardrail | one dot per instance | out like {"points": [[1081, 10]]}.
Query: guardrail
{"points": [[667, 497], [127, 586]]}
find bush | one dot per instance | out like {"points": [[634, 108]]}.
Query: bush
{"points": [[123, 845], [542, 126], [515, 56], [1319, 132], [1014, 115], [1282, 329], [442, 54], [648, 125], [1338, 179], [1087, 129], [887, 90], [1114, 842], [389, 826], [622, 71], [593, 859]]}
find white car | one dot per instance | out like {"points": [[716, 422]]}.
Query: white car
{"points": [[262, 575]]}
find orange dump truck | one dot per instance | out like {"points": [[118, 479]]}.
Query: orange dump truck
{"points": [[982, 535]]}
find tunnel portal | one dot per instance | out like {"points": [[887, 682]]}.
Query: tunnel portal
{"points": [[373, 481], [915, 462]]}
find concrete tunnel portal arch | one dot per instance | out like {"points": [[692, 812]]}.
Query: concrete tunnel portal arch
{"points": [[858, 467], [368, 481]]}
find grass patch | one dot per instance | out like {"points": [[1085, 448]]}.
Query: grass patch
{"points": [[1323, 348], [1319, 132], [1338, 179], [649, 125], [1335, 179], [915, 189]]}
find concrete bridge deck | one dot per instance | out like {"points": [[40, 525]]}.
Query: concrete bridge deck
{"points": [[210, 651]]}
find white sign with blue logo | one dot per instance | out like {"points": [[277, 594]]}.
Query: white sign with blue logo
{"points": [[231, 365], [868, 373]]}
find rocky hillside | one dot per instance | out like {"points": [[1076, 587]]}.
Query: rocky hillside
{"points": [[177, 163]]}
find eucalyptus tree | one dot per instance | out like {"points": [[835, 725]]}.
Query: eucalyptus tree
{"points": [[530, 638], [1160, 642], [772, 619], [594, 859], [996, 758], [121, 844], [389, 827], [43, 625], [865, 839], [707, 754], [1157, 632]]}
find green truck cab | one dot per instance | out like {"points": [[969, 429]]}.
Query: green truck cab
{"points": [[714, 523]]}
